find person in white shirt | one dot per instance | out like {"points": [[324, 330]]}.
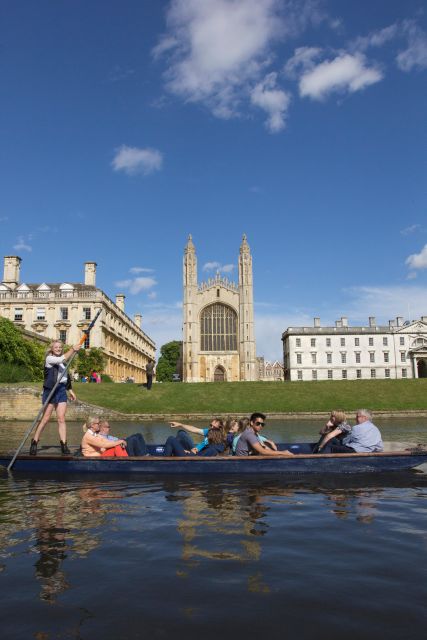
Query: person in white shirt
{"points": [[54, 370]]}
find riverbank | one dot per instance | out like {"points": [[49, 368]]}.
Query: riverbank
{"points": [[277, 399]]}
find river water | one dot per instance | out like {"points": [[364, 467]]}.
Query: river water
{"points": [[134, 558]]}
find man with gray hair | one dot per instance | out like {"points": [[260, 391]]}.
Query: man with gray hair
{"points": [[364, 437]]}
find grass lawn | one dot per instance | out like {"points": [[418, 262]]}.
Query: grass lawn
{"points": [[246, 397]]}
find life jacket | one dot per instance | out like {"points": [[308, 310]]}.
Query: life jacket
{"points": [[50, 376]]}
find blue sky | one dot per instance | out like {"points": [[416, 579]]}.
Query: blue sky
{"points": [[126, 126]]}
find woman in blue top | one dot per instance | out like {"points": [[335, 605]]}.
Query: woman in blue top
{"points": [[182, 444]]}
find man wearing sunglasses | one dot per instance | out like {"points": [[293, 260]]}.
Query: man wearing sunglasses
{"points": [[249, 442]]}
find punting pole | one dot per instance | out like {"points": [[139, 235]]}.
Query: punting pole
{"points": [[42, 410]]}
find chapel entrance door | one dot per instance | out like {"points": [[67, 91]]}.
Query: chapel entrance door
{"points": [[219, 374]]}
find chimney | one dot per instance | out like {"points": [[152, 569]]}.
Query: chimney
{"points": [[391, 323], [338, 323], [372, 321], [344, 321], [120, 301], [423, 318], [399, 321], [317, 322], [90, 273], [12, 267], [137, 320]]}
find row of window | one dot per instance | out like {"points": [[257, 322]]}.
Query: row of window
{"points": [[41, 313], [373, 374], [357, 357], [63, 337], [343, 341]]}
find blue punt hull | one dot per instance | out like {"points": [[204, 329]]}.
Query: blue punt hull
{"points": [[302, 463]]}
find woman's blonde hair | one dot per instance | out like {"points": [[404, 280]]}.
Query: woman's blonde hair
{"points": [[339, 416], [89, 421]]}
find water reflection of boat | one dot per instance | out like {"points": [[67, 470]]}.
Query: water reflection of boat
{"points": [[304, 462]]}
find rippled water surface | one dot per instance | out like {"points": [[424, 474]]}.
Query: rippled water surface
{"points": [[133, 558]]}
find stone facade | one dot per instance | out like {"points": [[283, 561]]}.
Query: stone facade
{"points": [[63, 310], [269, 371], [398, 350], [218, 323]]}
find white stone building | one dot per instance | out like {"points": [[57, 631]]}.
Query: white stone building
{"points": [[218, 323], [63, 310], [398, 350]]}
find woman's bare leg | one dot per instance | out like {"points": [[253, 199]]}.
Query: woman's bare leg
{"points": [[43, 422], [61, 408]]}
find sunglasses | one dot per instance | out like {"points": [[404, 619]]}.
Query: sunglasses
{"points": [[260, 424]]}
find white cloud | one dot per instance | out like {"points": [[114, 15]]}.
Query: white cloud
{"points": [[385, 303], [152, 295], [140, 270], [345, 73], [272, 100], [132, 160], [376, 38], [418, 260], [218, 48], [217, 266], [136, 285], [411, 229], [22, 245], [415, 55], [4, 218], [304, 59], [211, 266], [118, 73]]}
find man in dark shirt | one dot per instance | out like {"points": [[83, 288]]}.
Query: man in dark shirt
{"points": [[249, 443], [149, 370]]}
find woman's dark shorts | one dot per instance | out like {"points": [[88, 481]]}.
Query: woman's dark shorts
{"points": [[60, 395]]}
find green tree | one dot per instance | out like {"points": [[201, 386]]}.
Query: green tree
{"points": [[167, 365], [27, 355], [90, 360]]}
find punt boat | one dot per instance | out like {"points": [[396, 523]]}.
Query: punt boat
{"points": [[396, 457]]}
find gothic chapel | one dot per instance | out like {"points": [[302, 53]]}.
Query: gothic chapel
{"points": [[218, 329]]}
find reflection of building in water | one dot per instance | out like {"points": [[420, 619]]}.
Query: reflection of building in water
{"points": [[225, 524], [63, 523], [358, 503]]}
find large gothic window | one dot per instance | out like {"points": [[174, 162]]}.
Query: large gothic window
{"points": [[218, 328]]}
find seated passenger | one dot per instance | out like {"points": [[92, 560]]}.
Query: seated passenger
{"points": [[95, 445], [135, 444], [231, 429], [243, 424], [182, 444], [364, 437], [334, 431], [249, 442]]}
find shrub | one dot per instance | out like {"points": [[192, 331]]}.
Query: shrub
{"points": [[18, 351], [10, 372]]}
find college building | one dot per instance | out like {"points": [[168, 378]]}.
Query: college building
{"points": [[269, 371], [398, 350], [63, 310], [218, 322]]}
